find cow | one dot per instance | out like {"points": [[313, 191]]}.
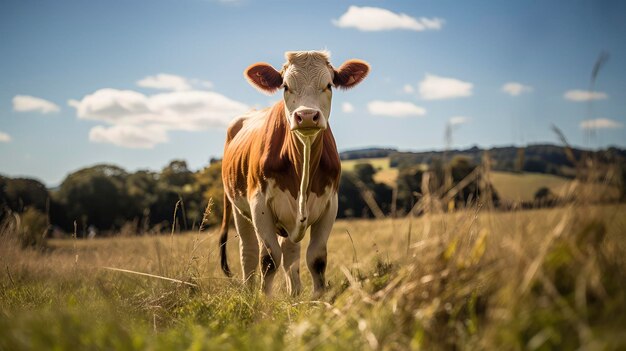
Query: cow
{"points": [[281, 170]]}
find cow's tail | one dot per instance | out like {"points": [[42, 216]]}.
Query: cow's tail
{"points": [[224, 236]]}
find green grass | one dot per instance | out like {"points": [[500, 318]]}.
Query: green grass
{"points": [[381, 163], [384, 173], [511, 187], [541, 279], [523, 186]]}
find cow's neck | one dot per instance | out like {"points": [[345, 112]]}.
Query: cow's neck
{"points": [[305, 143], [303, 154], [284, 153]]}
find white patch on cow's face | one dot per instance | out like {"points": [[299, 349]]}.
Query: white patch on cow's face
{"points": [[307, 84]]}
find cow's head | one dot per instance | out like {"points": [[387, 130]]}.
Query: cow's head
{"points": [[307, 79]]}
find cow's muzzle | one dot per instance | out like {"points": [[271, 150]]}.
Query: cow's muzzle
{"points": [[307, 122]]}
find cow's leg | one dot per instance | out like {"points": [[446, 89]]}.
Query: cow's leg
{"points": [[248, 247], [270, 258], [265, 229], [291, 265], [316, 252]]}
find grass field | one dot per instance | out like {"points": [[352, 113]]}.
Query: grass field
{"points": [[523, 186], [511, 187], [539, 280], [384, 173], [378, 163]]}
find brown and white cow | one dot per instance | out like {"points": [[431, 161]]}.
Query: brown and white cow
{"points": [[281, 169]]}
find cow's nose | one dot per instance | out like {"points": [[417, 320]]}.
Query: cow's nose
{"points": [[307, 118]]}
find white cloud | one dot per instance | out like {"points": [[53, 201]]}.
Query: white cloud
{"points": [[408, 88], [141, 121], [584, 95], [196, 110], [130, 136], [600, 123], [347, 107], [27, 103], [395, 108], [516, 89], [202, 83], [181, 110], [376, 19], [112, 106], [458, 120], [164, 81], [4, 137], [436, 88]]}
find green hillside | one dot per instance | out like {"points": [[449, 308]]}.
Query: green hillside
{"points": [[510, 186]]}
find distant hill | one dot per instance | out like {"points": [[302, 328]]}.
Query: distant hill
{"points": [[539, 158], [366, 153]]}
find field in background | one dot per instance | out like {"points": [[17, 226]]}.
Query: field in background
{"points": [[384, 173], [511, 187], [522, 187], [540, 279], [379, 164]]}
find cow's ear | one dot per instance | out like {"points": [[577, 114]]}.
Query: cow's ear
{"points": [[351, 73], [264, 77]]}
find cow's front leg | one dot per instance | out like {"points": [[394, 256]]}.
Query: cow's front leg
{"points": [[291, 265], [265, 229], [316, 252], [248, 247]]}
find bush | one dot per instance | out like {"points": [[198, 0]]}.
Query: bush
{"points": [[32, 229]]}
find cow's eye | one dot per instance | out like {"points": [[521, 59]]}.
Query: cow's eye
{"points": [[286, 87], [329, 86]]}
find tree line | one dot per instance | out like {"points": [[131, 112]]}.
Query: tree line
{"points": [[538, 158], [106, 199]]}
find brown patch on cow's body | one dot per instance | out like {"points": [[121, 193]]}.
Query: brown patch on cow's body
{"points": [[269, 150], [234, 128]]}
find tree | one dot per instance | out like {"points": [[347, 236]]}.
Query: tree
{"points": [[176, 174], [209, 185], [163, 207], [33, 227], [176, 183], [142, 189], [351, 203], [623, 182], [365, 172], [460, 168], [544, 197], [97, 196], [4, 206], [21, 193], [352, 190], [409, 184], [535, 165]]}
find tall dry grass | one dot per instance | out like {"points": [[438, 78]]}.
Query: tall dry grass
{"points": [[476, 278]]}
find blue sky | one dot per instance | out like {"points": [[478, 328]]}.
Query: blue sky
{"points": [[139, 83]]}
